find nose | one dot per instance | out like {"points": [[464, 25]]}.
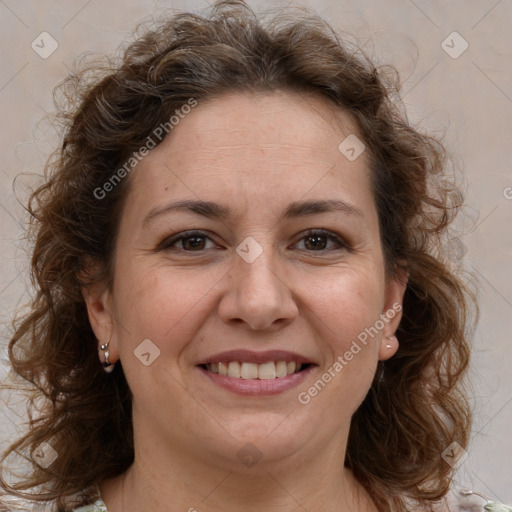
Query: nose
{"points": [[257, 294]]}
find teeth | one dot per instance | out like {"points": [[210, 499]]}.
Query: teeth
{"points": [[265, 371], [281, 369], [249, 371], [234, 369]]}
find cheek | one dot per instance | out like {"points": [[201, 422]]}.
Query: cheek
{"points": [[160, 304], [345, 304], [344, 308], [348, 310]]}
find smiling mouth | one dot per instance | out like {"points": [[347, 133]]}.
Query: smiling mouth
{"points": [[265, 371]]}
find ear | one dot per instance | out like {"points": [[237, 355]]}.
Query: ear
{"points": [[98, 300], [392, 313]]}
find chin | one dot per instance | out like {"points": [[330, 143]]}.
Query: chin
{"points": [[273, 436]]}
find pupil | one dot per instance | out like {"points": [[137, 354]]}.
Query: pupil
{"points": [[194, 241], [319, 240]]}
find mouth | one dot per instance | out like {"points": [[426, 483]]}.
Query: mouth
{"points": [[265, 371], [244, 372]]}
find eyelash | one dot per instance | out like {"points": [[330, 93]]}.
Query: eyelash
{"points": [[168, 243]]}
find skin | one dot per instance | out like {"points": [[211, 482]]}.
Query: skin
{"points": [[255, 153]]}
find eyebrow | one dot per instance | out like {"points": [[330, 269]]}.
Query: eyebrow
{"points": [[220, 212]]}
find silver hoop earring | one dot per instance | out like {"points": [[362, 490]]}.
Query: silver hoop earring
{"points": [[107, 365]]}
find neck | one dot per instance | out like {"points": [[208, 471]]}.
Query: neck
{"points": [[301, 482]]}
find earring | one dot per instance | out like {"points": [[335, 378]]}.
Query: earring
{"points": [[107, 365], [389, 345]]}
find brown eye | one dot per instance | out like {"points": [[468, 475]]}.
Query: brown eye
{"points": [[193, 242], [315, 242], [190, 241], [318, 240]]}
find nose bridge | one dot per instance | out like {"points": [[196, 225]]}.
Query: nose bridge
{"points": [[256, 267], [258, 294]]}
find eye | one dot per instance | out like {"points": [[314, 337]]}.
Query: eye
{"points": [[189, 241], [317, 239]]}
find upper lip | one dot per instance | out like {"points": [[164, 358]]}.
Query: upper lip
{"points": [[248, 356]]}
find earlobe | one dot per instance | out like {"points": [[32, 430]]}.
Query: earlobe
{"points": [[107, 365], [393, 312], [388, 348], [97, 298]]}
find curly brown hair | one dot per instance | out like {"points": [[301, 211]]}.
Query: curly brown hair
{"points": [[416, 406]]}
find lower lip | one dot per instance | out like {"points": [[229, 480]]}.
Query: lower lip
{"points": [[258, 387]]}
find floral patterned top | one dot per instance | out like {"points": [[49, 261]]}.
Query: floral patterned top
{"points": [[456, 501], [97, 506]]}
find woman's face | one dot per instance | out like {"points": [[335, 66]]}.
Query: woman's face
{"points": [[284, 266]]}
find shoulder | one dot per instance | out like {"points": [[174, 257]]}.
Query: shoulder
{"points": [[93, 502], [457, 500], [97, 506], [15, 504], [88, 500], [460, 500]]}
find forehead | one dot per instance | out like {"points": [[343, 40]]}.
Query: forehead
{"points": [[259, 123], [259, 145]]}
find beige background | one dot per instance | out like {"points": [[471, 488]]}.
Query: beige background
{"points": [[468, 98]]}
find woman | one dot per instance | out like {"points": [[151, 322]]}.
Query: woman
{"points": [[242, 296]]}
